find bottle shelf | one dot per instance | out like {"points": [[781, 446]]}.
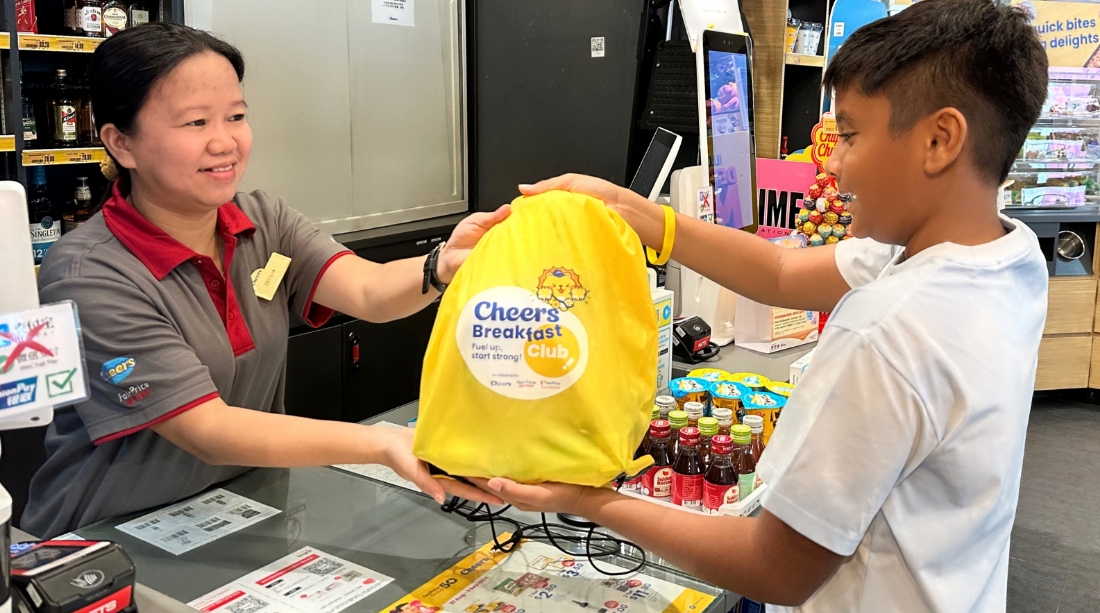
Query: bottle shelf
{"points": [[801, 59], [54, 157], [47, 42], [1058, 121]]}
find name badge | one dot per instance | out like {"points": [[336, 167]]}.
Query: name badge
{"points": [[266, 280]]}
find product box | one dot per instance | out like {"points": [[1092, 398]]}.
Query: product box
{"points": [[662, 304], [25, 18], [798, 368]]}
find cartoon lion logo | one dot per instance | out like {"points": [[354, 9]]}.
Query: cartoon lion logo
{"points": [[560, 288]]}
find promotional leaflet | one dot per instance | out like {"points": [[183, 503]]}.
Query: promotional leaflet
{"points": [[537, 578], [306, 581], [207, 517]]}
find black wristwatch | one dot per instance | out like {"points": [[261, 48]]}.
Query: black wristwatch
{"points": [[431, 266]]}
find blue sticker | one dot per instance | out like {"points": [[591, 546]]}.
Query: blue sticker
{"points": [[115, 371], [15, 393], [3, 341]]}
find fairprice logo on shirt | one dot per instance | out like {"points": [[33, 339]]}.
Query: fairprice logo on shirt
{"points": [[134, 394]]}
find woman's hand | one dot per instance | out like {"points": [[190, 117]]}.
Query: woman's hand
{"points": [[541, 498], [644, 216], [399, 457], [463, 240]]}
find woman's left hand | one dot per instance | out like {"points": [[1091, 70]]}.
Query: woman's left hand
{"points": [[463, 240]]}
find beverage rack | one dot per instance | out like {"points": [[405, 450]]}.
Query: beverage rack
{"points": [[1059, 164], [24, 54]]}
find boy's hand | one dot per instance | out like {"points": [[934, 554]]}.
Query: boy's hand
{"points": [[644, 216], [541, 498]]}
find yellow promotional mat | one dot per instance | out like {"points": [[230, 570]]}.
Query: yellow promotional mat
{"points": [[537, 578]]}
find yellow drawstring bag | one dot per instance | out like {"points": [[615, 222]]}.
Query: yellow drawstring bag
{"points": [[541, 361]]}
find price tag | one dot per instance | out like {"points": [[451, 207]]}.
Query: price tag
{"points": [[47, 157], [75, 44], [5, 40], [7, 143], [41, 364]]}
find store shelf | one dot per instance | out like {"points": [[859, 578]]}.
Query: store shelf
{"points": [[52, 157], [45, 42], [800, 59], [1055, 164]]}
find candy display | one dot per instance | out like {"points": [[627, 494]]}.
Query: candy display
{"points": [[727, 395], [752, 381], [826, 219]]}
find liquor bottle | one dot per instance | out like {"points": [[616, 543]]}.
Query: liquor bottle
{"points": [[756, 424], [744, 463], [91, 18], [720, 480], [708, 429], [676, 420], [657, 481], [63, 111], [87, 134], [71, 17], [687, 472], [116, 18], [82, 206], [634, 484], [45, 221], [139, 14], [30, 125]]}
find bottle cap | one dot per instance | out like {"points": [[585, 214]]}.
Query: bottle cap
{"points": [[724, 416], [678, 419], [659, 428], [754, 422], [721, 444], [694, 409], [666, 402], [742, 434], [689, 436], [656, 412], [708, 426]]}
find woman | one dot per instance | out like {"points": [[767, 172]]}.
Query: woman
{"points": [[190, 356]]}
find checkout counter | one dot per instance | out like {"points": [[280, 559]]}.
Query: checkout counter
{"points": [[389, 529]]}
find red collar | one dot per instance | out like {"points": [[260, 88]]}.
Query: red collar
{"points": [[161, 253]]}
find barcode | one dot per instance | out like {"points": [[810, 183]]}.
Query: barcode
{"points": [[217, 526], [245, 511], [174, 536], [324, 566], [185, 511], [248, 604], [149, 524], [215, 498], [597, 46]]}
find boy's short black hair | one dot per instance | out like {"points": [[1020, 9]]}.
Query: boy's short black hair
{"points": [[983, 59]]}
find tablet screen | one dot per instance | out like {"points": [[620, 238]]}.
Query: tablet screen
{"points": [[729, 129]]}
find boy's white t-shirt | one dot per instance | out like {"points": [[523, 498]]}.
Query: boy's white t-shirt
{"points": [[902, 445]]}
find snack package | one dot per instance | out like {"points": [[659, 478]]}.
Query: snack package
{"points": [[708, 374], [766, 405], [689, 389], [750, 380], [728, 395], [781, 388], [540, 364]]}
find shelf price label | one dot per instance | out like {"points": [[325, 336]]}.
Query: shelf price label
{"points": [[62, 156], [34, 42]]}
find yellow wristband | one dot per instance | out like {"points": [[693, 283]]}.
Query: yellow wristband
{"points": [[670, 237]]}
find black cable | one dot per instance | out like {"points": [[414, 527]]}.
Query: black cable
{"points": [[610, 546]]}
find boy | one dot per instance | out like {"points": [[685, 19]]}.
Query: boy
{"points": [[894, 472]]}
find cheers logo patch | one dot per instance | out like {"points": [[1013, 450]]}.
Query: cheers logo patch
{"points": [[115, 371]]}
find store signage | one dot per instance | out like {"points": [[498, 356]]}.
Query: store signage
{"points": [[823, 140], [781, 187], [1070, 31], [41, 359]]}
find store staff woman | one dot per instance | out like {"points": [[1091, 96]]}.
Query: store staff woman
{"points": [[190, 361]]}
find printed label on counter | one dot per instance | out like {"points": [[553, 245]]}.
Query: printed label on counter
{"points": [[182, 527], [306, 581]]}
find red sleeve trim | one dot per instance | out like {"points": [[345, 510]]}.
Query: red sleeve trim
{"points": [[162, 418], [314, 314]]}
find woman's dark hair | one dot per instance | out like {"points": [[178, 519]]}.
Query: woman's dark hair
{"points": [[127, 66]]}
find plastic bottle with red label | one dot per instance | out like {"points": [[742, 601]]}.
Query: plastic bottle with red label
{"points": [[687, 472], [657, 481], [634, 484], [720, 480]]}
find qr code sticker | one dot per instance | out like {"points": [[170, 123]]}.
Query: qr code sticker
{"points": [[597, 46], [324, 566], [248, 604]]}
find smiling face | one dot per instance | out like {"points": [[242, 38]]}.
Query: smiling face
{"points": [[190, 144], [883, 170]]}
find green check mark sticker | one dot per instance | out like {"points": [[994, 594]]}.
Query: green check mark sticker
{"points": [[60, 383]]}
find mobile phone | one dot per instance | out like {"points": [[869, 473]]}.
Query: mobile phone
{"points": [[656, 164], [724, 69]]}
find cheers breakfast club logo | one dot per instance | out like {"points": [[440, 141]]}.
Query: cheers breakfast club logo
{"points": [[517, 345]]}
